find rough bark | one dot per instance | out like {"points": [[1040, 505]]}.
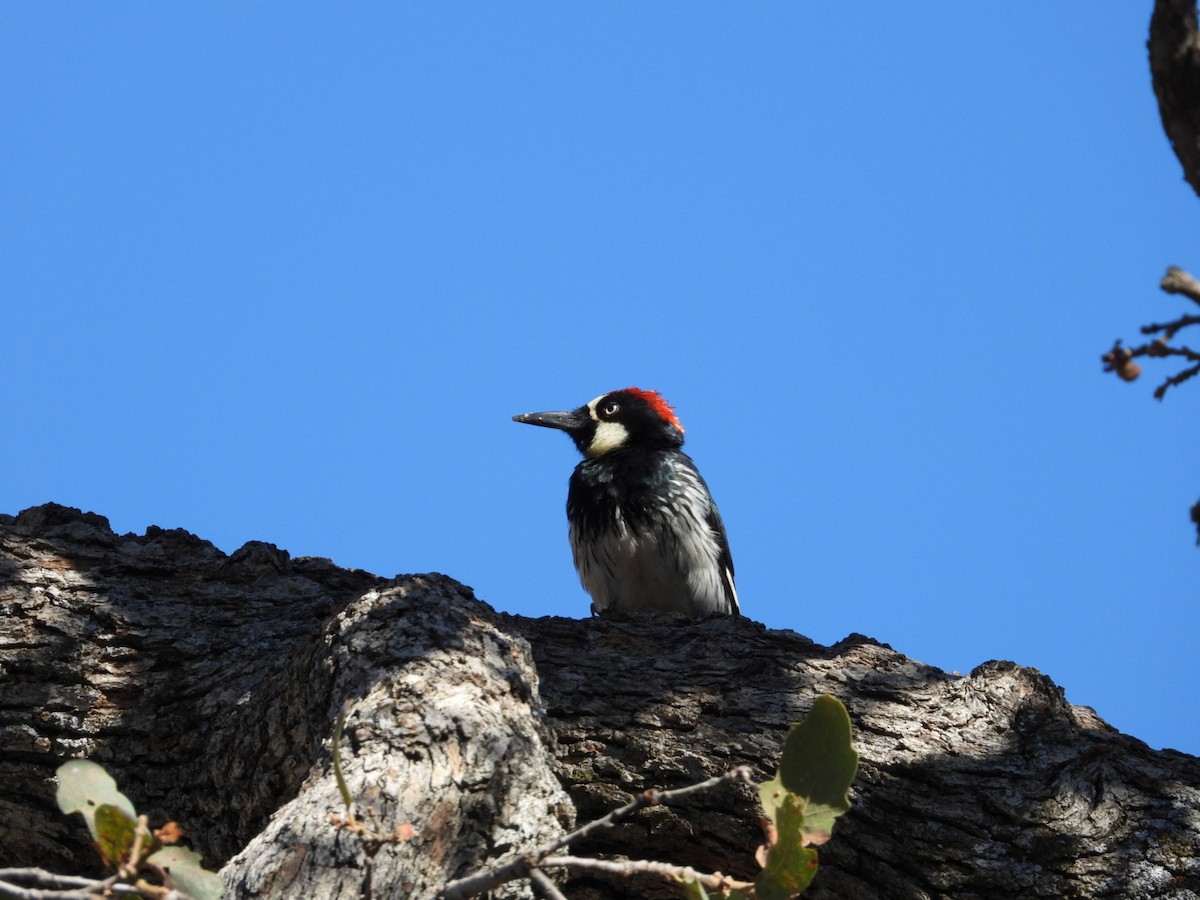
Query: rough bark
{"points": [[1174, 47], [985, 786], [209, 685]]}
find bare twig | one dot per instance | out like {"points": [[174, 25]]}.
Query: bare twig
{"points": [[1121, 359], [1177, 379], [713, 881], [1172, 20], [129, 869], [19, 893], [42, 878], [523, 866], [49, 886], [648, 798], [347, 800], [1169, 329], [544, 885], [1177, 281], [480, 882]]}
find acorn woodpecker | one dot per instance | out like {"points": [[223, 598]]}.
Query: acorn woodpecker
{"points": [[645, 532]]}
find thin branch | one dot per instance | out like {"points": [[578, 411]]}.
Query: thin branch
{"points": [[488, 879], [19, 893], [347, 800], [81, 889], [1121, 359], [1177, 379], [1170, 328], [1118, 355], [1177, 281], [129, 869], [522, 866], [42, 878], [714, 881], [50, 886], [1173, 28], [544, 885], [645, 799]]}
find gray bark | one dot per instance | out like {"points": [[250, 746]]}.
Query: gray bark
{"points": [[209, 686]]}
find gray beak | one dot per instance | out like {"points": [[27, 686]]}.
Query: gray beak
{"points": [[563, 421]]}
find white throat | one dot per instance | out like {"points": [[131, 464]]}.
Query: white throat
{"points": [[609, 436]]}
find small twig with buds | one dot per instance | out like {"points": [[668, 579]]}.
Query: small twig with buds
{"points": [[526, 865], [1169, 329], [1120, 359]]}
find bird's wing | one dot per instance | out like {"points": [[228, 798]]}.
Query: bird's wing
{"points": [[724, 559]]}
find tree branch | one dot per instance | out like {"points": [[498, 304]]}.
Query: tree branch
{"points": [[648, 798], [466, 716], [544, 885], [711, 881], [525, 865], [1121, 359], [1174, 47], [1177, 281], [50, 886], [42, 878]]}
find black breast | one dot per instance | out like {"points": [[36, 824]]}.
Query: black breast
{"points": [[636, 482]]}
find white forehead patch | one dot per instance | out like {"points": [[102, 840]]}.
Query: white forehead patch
{"points": [[608, 436]]}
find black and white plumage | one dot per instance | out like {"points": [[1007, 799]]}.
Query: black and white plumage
{"points": [[645, 532]]}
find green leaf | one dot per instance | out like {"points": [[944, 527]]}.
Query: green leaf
{"points": [[790, 866], [182, 871], [84, 786], [114, 833], [771, 794], [818, 764], [694, 890]]}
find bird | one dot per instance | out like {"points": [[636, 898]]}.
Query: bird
{"points": [[645, 532]]}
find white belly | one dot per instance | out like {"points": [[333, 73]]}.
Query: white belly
{"points": [[657, 571]]}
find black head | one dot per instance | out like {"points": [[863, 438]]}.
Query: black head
{"points": [[626, 418]]}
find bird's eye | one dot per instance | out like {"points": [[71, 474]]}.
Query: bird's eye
{"points": [[611, 408]]}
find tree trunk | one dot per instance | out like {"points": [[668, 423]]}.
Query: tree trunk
{"points": [[209, 686], [1174, 47]]}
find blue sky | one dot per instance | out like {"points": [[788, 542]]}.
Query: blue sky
{"points": [[284, 272]]}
